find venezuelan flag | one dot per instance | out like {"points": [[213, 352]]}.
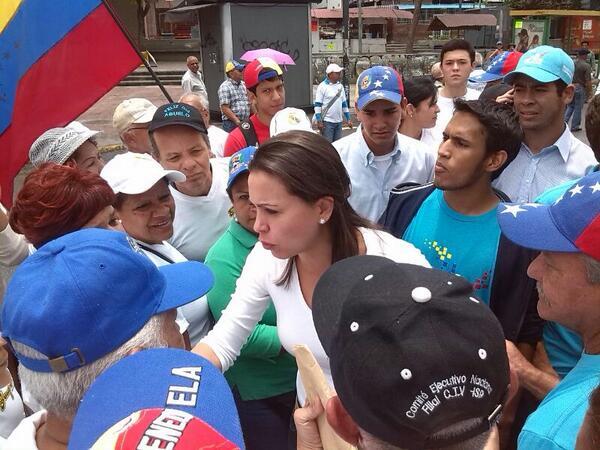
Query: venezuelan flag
{"points": [[57, 58]]}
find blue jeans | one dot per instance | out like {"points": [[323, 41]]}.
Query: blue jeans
{"points": [[575, 107], [228, 125], [266, 422], [332, 131]]}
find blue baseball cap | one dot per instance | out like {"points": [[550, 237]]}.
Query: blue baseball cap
{"points": [[379, 83], [83, 295], [238, 164], [571, 224], [158, 397], [544, 64], [498, 68]]}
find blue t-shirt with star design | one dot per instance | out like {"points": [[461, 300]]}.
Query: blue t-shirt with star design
{"points": [[457, 243]]}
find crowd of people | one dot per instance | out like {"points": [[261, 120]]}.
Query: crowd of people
{"points": [[441, 263]]}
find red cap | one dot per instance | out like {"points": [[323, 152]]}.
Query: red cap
{"points": [[259, 70]]}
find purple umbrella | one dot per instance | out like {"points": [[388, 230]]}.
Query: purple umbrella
{"points": [[278, 57]]}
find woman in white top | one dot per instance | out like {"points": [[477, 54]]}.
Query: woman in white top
{"points": [[421, 110], [145, 207], [304, 223]]}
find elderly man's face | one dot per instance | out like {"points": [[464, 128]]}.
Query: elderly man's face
{"points": [[193, 65], [566, 295]]}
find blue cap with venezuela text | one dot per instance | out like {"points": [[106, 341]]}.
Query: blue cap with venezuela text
{"points": [[544, 64], [83, 295], [158, 398], [379, 83]]}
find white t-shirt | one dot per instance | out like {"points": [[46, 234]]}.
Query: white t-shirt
{"points": [[196, 315], [23, 437], [258, 283], [217, 138], [199, 221], [12, 411], [446, 105]]}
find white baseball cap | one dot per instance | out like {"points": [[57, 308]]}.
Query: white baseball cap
{"points": [[135, 173], [289, 119], [133, 110], [333, 68]]}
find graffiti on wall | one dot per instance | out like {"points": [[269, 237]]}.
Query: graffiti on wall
{"points": [[282, 46]]}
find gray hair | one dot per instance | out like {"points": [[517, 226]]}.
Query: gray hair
{"points": [[370, 442], [195, 97], [592, 269], [60, 393]]}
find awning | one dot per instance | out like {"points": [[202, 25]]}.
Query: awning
{"points": [[367, 13], [187, 9], [184, 14], [554, 12], [462, 21]]}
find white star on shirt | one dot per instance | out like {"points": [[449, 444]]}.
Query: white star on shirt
{"points": [[513, 209], [576, 190], [386, 77], [378, 83], [595, 187]]}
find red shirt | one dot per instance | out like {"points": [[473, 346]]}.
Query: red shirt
{"points": [[235, 141]]}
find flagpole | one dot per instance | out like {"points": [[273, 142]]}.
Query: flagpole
{"points": [[126, 34]]}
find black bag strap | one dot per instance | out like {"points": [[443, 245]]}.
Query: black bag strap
{"points": [[249, 133], [157, 253]]}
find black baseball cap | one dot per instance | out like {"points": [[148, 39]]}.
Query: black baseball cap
{"points": [[412, 350], [177, 114]]}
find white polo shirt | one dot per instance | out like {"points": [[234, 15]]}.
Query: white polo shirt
{"points": [[373, 177]]}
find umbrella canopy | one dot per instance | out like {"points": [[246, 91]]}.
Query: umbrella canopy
{"points": [[278, 57]]}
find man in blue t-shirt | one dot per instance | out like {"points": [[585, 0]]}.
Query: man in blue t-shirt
{"points": [[567, 272], [453, 220]]}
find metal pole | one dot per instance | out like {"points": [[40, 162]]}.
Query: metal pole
{"points": [[360, 27], [126, 34], [346, 40]]}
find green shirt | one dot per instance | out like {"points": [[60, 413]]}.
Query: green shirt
{"points": [[262, 370]]}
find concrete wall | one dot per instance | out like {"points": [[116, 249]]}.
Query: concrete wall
{"points": [[285, 28]]}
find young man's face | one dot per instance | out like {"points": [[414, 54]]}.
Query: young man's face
{"points": [[539, 105], [269, 96], [462, 156], [456, 67], [379, 122]]}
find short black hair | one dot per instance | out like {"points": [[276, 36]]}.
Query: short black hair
{"points": [[501, 124], [582, 52], [418, 89], [457, 44], [492, 92]]}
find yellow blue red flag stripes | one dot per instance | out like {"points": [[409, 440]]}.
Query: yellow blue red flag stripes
{"points": [[57, 58]]}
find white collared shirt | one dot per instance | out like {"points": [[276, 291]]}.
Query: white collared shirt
{"points": [[372, 179], [529, 174], [192, 82]]}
